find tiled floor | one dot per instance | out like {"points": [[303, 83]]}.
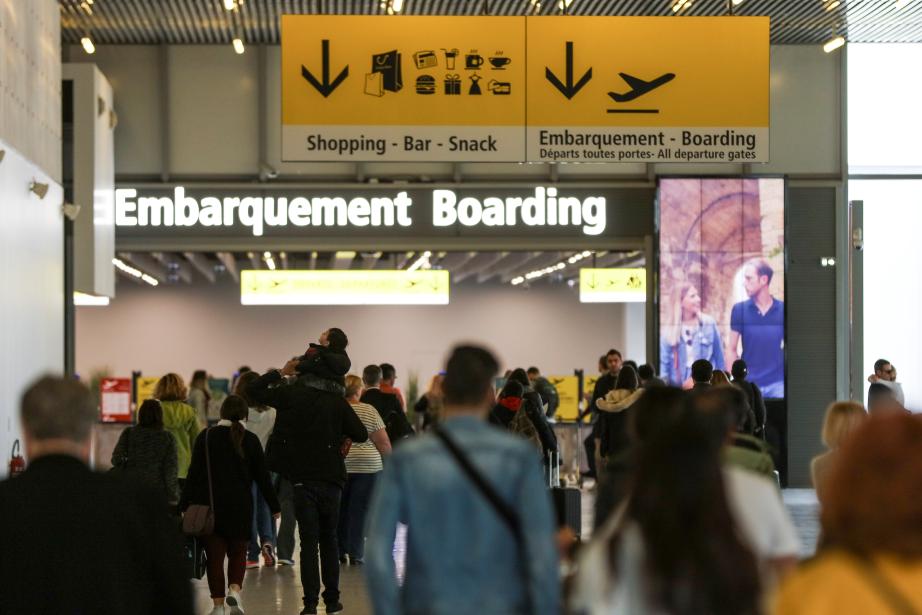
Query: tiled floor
{"points": [[269, 591]]}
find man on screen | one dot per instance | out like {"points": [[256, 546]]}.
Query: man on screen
{"points": [[759, 323]]}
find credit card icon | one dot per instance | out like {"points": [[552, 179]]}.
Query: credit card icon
{"points": [[500, 88]]}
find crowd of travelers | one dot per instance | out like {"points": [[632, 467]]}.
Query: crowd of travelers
{"points": [[689, 518]]}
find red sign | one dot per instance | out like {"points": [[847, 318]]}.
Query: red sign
{"points": [[115, 400]]}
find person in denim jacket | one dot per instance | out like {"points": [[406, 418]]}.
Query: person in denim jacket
{"points": [[693, 336], [461, 557]]}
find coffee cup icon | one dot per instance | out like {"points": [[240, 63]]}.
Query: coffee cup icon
{"points": [[473, 61], [500, 62]]}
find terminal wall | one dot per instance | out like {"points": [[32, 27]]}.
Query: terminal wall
{"points": [[31, 234], [204, 112], [182, 328]]}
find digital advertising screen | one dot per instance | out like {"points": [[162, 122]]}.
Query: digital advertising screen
{"points": [[721, 278]]}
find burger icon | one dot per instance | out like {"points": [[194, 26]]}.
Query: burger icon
{"points": [[425, 85]]}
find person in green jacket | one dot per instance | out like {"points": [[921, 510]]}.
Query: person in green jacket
{"points": [[179, 418]]}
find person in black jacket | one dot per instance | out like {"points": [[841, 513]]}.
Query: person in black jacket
{"points": [[236, 459], [535, 411], [387, 404], [739, 370], [76, 541], [325, 365], [305, 448], [148, 453], [603, 386]]}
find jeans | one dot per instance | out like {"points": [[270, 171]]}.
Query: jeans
{"points": [[216, 549], [285, 539], [262, 530], [317, 511], [356, 496], [589, 444]]}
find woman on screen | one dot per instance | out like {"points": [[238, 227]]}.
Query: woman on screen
{"points": [[692, 336]]}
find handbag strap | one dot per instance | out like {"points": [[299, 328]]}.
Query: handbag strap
{"points": [[208, 465], [886, 589], [506, 512]]}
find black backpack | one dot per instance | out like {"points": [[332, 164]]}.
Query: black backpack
{"points": [[397, 426]]}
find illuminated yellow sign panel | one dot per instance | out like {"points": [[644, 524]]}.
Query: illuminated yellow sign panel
{"points": [[648, 89], [612, 285], [319, 287], [402, 88]]}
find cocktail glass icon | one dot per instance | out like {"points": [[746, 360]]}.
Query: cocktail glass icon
{"points": [[450, 55]]}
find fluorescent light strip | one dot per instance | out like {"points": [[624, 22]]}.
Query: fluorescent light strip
{"points": [[421, 261], [540, 273], [137, 273], [270, 262], [238, 45], [85, 300], [88, 45], [834, 44]]}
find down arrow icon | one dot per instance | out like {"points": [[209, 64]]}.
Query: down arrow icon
{"points": [[570, 89], [325, 87]]}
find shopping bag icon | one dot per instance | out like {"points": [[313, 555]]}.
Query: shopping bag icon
{"points": [[374, 84], [388, 66]]}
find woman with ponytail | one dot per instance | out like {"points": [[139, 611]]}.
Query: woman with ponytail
{"points": [[236, 461]]}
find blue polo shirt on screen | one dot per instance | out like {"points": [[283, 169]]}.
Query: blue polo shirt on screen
{"points": [[763, 342]]}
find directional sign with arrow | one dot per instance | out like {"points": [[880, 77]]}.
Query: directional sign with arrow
{"points": [[325, 87], [570, 89]]}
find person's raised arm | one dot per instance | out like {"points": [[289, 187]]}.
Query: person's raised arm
{"points": [[260, 390], [352, 424]]}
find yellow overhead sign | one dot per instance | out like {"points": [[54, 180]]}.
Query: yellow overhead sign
{"points": [[579, 89], [332, 287], [144, 389], [612, 285], [402, 88], [648, 89]]}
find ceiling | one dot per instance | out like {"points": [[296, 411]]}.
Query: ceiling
{"points": [[150, 22], [465, 267]]}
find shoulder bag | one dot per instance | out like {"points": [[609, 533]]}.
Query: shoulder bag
{"points": [[199, 518], [502, 508]]}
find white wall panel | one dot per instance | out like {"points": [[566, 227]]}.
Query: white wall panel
{"points": [[134, 74], [93, 180], [30, 81], [32, 273], [185, 328]]}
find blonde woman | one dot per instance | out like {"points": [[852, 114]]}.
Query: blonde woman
{"points": [[429, 405], [692, 336], [842, 418], [179, 418], [363, 463]]}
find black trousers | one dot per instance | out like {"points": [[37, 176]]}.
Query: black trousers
{"points": [[317, 511], [589, 444]]}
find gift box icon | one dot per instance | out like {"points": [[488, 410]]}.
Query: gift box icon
{"points": [[453, 85]]}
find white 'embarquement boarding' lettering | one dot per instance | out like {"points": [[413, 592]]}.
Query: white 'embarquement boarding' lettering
{"points": [[543, 208]]}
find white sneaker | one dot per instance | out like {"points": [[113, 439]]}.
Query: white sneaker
{"points": [[218, 610], [234, 603]]}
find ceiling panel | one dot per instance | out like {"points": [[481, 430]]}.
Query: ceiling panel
{"points": [[207, 22]]}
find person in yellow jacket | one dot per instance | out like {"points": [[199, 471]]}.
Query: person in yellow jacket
{"points": [[871, 560], [179, 418]]}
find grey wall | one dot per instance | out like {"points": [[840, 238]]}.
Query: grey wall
{"points": [[31, 234], [180, 329], [200, 105], [811, 317]]}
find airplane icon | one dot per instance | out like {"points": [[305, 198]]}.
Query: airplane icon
{"points": [[639, 87]]}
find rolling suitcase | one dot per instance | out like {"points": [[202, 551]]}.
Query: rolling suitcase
{"points": [[567, 500]]}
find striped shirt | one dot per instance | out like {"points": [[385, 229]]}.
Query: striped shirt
{"points": [[363, 457]]}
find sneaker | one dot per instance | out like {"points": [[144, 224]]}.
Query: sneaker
{"points": [[268, 555], [218, 610], [234, 603], [336, 607], [309, 610], [252, 563], [286, 562]]}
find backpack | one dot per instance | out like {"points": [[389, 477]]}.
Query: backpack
{"points": [[522, 425], [397, 427]]}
